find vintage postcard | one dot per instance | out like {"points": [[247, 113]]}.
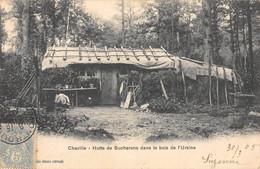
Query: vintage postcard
{"points": [[142, 84]]}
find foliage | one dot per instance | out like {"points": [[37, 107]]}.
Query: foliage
{"points": [[161, 105], [57, 123], [85, 82], [215, 111], [176, 25], [151, 88], [52, 77], [11, 78]]}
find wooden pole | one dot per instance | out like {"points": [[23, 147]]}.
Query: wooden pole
{"points": [[89, 58], [233, 80], [148, 58], [95, 52], [225, 85], [122, 49], [65, 56], [118, 58], [134, 53], [107, 53], [154, 55], [80, 55], [209, 69], [184, 83], [163, 89], [217, 86]]}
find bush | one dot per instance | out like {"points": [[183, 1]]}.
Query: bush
{"points": [[151, 88], [192, 108], [12, 78], [51, 77], [58, 123], [85, 82], [161, 105]]}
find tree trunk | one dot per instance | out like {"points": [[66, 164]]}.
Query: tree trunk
{"points": [[244, 43], [53, 21], [206, 7], [123, 21], [1, 38], [25, 31], [172, 28], [1, 35], [232, 38], [44, 36], [238, 53], [250, 45]]}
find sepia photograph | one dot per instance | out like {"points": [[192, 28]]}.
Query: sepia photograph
{"points": [[129, 83]]}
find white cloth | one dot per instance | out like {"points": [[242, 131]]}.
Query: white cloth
{"points": [[62, 98]]}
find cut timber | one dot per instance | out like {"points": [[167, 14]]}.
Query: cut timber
{"points": [[148, 58], [89, 58], [184, 82], [80, 55], [128, 99], [65, 56], [107, 53], [151, 49], [118, 58], [95, 52], [126, 57], [134, 53], [165, 51], [163, 89]]}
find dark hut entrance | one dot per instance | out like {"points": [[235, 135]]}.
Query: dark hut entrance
{"points": [[109, 85]]}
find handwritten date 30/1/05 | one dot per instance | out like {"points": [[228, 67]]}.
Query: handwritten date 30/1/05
{"points": [[233, 158], [237, 150]]}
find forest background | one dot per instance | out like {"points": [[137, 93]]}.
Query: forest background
{"points": [[224, 32]]}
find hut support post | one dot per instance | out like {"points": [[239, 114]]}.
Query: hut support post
{"points": [[163, 89], [225, 86], [217, 86], [210, 81], [233, 81], [184, 83]]}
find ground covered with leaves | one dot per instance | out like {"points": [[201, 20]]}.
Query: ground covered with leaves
{"points": [[125, 124], [108, 124]]}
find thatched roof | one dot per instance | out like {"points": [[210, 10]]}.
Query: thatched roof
{"points": [[150, 59]]}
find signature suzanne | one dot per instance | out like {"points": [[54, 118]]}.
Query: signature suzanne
{"points": [[210, 158]]}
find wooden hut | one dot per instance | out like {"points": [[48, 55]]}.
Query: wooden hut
{"points": [[109, 64]]}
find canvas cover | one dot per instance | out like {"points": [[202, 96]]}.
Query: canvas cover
{"points": [[150, 59]]}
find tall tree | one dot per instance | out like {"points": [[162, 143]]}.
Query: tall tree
{"points": [[250, 44], [206, 9], [123, 21], [25, 30], [1, 36]]}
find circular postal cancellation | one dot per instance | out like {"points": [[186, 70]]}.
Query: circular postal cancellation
{"points": [[18, 130], [18, 121], [16, 133]]}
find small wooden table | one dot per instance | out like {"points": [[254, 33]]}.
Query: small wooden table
{"points": [[76, 90]]}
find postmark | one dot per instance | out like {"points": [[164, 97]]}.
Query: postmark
{"points": [[16, 133], [18, 146], [19, 112]]}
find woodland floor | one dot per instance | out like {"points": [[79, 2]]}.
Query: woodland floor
{"points": [[128, 125]]}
